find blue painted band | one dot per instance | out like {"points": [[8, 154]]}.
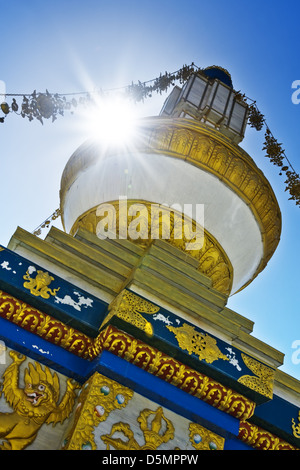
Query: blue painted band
{"points": [[37, 348], [66, 302]]}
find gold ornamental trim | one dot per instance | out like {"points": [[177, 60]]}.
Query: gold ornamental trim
{"points": [[296, 427], [213, 261], [261, 439], [127, 306], [37, 322], [263, 380]]}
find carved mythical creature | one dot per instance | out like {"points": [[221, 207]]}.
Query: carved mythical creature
{"points": [[34, 405]]}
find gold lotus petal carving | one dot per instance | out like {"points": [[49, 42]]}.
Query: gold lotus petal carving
{"points": [[212, 259]]}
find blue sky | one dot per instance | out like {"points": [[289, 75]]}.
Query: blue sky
{"points": [[71, 46]]}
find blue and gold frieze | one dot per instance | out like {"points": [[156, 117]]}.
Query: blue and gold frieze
{"points": [[280, 417], [37, 348], [162, 329], [191, 345], [50, 293], [276, 416], [114, 416], [155, 325]]}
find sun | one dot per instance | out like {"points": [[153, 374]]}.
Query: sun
{"points": [[112, 120]]}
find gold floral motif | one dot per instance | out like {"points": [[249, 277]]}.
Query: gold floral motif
{"points": [[263, 380], [34, 405], [201, 344], [203, 439], [38, 286], [129, 307], [156, 429], [296, 427], [100, 395]]}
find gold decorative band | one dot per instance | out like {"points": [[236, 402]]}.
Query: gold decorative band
{"points": [[261, 439], [130, 349], [212, 259]]}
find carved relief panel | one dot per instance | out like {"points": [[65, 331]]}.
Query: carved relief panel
{"points": [[110, 416], [35, 403]]}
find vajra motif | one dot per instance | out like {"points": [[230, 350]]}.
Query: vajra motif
{"points": [[34, 405], [156, 429]]}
